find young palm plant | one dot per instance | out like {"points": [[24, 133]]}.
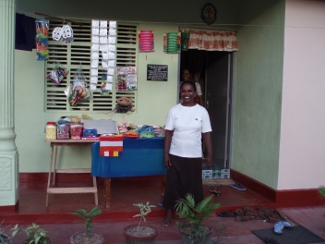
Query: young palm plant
{"points": [[194, 214], [87, 236], [82, 213]]}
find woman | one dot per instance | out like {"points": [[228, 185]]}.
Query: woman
{"points": [[186, 123], [188, 76]]}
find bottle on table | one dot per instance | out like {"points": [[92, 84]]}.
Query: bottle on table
{"points": [[76, 128], [63, 130], [50, 130]]}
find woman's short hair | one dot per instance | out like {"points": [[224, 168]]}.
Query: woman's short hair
{"points": [[189, 83]]}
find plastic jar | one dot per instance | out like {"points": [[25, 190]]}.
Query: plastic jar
{"points": [[76, 128], [63, 130], [50, 130]]}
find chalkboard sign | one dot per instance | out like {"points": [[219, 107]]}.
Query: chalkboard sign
{"points": [[157, 72]]}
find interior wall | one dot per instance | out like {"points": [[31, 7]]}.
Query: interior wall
{"points": [[302, 153], [257, 90]]}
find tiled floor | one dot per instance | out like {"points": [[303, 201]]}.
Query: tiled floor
{"points": [[61, 224]]}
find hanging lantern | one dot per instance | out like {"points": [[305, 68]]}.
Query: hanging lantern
{"points": [[146, 41], [172, 42], [185, 36]]}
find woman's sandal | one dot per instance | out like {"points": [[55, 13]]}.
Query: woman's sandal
{"points": [[238, 187], [216, 192]]}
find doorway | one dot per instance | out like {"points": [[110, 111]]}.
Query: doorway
{"points": [[214, 71]]}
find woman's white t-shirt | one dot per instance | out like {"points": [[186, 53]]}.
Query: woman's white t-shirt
{"points": [[187, 122]]}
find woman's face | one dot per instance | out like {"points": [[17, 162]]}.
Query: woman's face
{"points": [[187, 94], [187, 75]]}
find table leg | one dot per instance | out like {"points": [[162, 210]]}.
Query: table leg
{"points": [[49, 178], [95, 186], [54, 168], [108, 192]]}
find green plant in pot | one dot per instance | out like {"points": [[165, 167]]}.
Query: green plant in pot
{"points": [[141, 234], [35, 234], [87, 237], [192, 230], [4, 238], [321, 191]]}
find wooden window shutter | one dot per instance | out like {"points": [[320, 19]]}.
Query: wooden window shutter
{"points": [[78, 55]]}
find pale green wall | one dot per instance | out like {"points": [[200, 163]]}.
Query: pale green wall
{"points": [[258, 90], [153, 99], [258, 77]]}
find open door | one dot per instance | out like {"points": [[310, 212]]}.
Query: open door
{"points": [[218, 92]]}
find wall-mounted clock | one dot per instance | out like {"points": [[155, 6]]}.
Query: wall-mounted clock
{"points": [[209, 14]]}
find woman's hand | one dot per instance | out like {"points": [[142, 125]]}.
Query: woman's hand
{"points": [[208, 160], [167, 161], [168, 140], [208, 145]]}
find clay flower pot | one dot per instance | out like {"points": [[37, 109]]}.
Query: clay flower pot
{"points": [[83, 238], [145, 235], [187, 231]]}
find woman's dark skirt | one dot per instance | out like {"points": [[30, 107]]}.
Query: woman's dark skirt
{"points": [[184, 176]]}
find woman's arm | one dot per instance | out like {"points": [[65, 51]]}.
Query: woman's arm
{"points": [[208, 145], [168, 141]]}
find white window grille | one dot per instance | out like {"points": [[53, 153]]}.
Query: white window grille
{"points": [[78, 55]]}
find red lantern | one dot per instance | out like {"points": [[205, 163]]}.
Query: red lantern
{"points": [[146, 41]]}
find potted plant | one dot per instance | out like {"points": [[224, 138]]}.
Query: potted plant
{"points": [[4, 238], [87, 237], [192, 230], [219, 230], [321, 191], [35, 234], [140, 234]]}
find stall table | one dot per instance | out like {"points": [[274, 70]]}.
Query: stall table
{"points": [[55, 144], [140, 157]]}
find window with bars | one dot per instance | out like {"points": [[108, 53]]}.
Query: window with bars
{"points": [[78, 56]]}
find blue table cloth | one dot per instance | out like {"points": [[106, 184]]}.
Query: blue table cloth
{"points": [[140, 157]]}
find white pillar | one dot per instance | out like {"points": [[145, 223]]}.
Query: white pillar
{"points": [[8, 151]]}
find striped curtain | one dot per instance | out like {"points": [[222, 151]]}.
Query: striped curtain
{"points": [[212, 40]]}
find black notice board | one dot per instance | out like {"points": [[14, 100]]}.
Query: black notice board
{"points": [[157, 72]]}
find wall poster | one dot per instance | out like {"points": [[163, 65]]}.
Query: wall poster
{"points": [[157, 72]]}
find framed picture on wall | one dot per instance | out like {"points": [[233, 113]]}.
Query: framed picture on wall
{"points": [[209, 14]]}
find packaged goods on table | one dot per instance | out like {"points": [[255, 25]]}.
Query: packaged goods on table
{"points": [[50, 130], [63, 130], [76, 129], [89, 133]]}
